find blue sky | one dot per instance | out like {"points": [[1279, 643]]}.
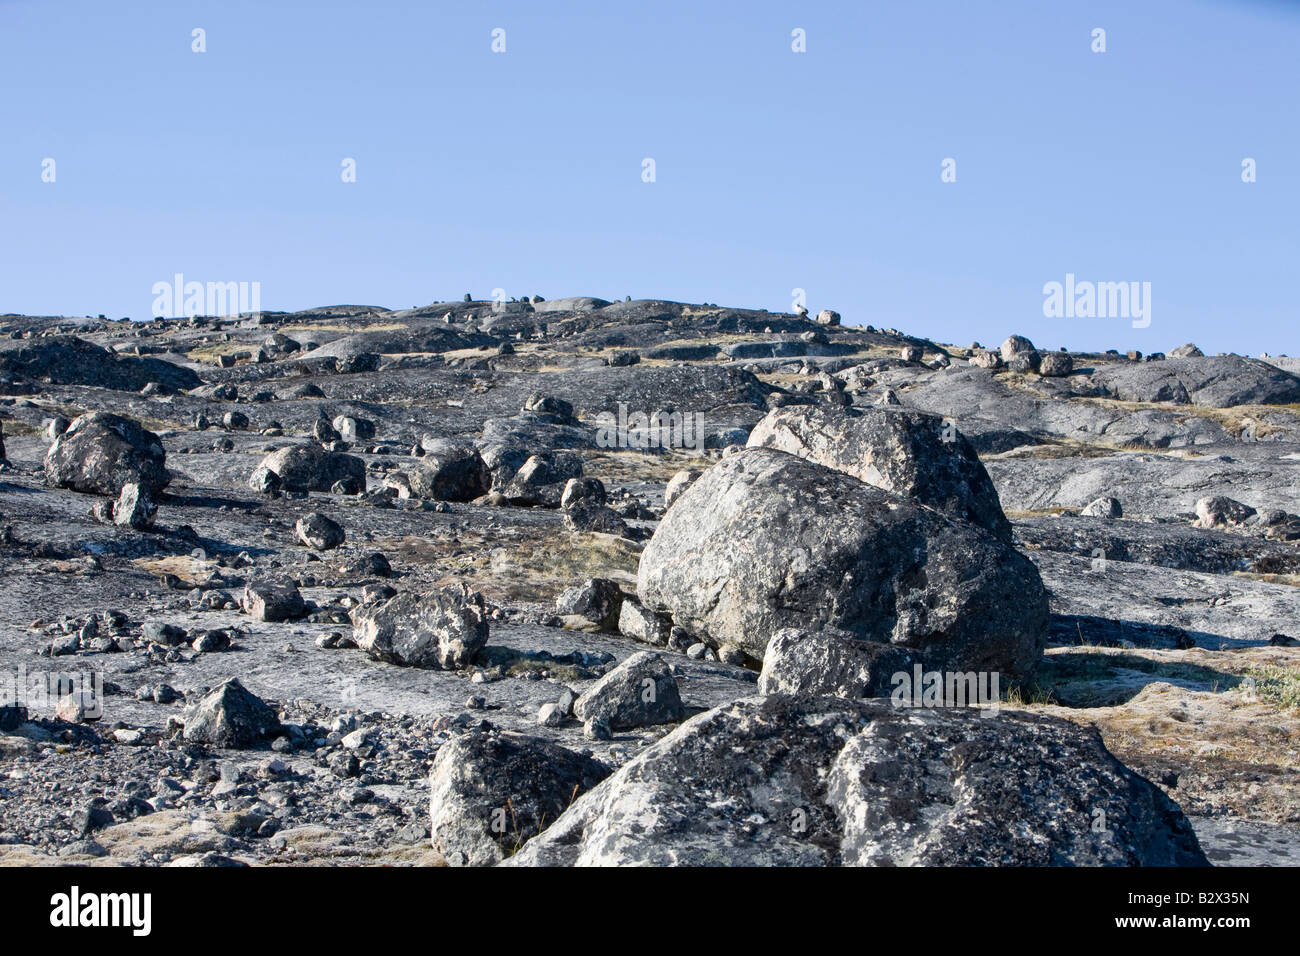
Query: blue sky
{"points": [[774, 170]]}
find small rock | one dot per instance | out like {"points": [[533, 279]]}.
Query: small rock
{"points": [[230, 716], [317, 531], [639, 692], [1104, 507], [550, 715], [273, 601]]}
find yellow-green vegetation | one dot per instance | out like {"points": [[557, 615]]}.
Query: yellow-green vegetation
{"points": [[456, 354], [177, 833], [195, 570], [532, 564], [1039, 512], [626, 465], [357, 326], [1233, 420], [211, 354], [518, 664], [1291, 580], [1189, 719], [539, 570], [13, 426], [1061, 448], [1103, 676], [1277, 684]]}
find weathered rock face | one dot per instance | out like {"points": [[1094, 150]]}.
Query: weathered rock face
{"points": [[491, 792], [101, 452], [1219, 382], [230, 716], [319, 531], [234, 421], [643, 625], [135, 507], [449, 471], [790, 781], [913, 454], [639, 692], [1025, 362], [541, 479], [831, 661], [998, 417], [1015, 345], [583, 489], [69, 360], [677, 484], [765, 540], [548, 405], [308, 468], [504, 458], [597, 602], [1217, 511], [586, 514], [352, 429], [443, 629], [1055, 364], [273, 601], [1104, 507]]}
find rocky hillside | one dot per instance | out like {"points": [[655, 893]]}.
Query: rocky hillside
{"points": [[585, 582]]}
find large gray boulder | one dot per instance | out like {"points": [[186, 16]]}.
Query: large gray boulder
{"points": [[1015, 345], [503, 460], [319, 531], [792, 781], [639, 692], [442, 629], [596, 603], [643, 625], [589, 515], [273, 601], [230, 716], [307, 467], [491, 792], [583, 489], [913, 454], [575, 303], [449, 471], [1106, 506], [541, 479], [1216, 511], [100, 453], [135, 507], [765, 540], [1055, 364]]}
